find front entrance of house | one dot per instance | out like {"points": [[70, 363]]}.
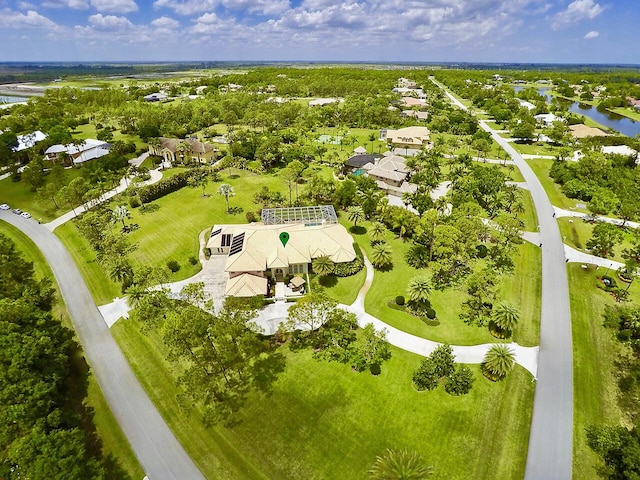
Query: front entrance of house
{"points": [[279, 273]]}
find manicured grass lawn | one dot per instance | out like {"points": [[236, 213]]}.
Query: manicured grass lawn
{"points": [[115, 446], [101, 287], [541, 168], [19, 195], [342, 289], [325, 421], [530, 216], [89, 131], [518, 289], [595, 352], [577, 233], [536, 148], [632, 113]]}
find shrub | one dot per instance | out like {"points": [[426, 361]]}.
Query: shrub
{"points": [[207, 252], [482, 251], [134, 202], [400, 300], [193, 260], [251, 216], [430, 313], [167, 186], [348, 268], [460, 381], [173, 265], [426, 376]]}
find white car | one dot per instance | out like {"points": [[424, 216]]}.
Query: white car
{"points": [[25, 215], [4, 206]]}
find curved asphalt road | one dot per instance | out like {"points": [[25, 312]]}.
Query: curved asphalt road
{"points": [[157, 449], [551, 437]]}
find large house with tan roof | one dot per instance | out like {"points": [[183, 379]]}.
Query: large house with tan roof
{"points": [[408, 137], [170, 150], [255, 252]]}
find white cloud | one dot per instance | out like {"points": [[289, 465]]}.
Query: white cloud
{"points": [[11, 19], [576, 11], [116, 6], [165, 23], [75, 4], [110, 23], [592, 34], [262, 7], [187, 7]]}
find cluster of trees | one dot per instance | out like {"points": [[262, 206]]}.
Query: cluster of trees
{"points": [[41, 434], [316, 322], [440, 368], [609, 183]]}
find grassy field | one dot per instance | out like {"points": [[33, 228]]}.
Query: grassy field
{"points": [[517, 289], [89, 131], [536, 148], [576, 232], [19, 195], [530, 217], [325, 421], [342, 289], [541, 168], [595, 352], [115, 446]]}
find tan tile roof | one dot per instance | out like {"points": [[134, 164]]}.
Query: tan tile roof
{"points": [[246, 285]]}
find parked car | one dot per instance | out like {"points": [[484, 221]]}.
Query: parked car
{"points": [[4, 206], [25, 215], [17, 211]]}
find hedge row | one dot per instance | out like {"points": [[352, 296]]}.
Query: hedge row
{"points": [[349, 268], [164, 187]]}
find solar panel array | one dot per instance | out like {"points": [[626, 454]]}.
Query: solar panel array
{"points": [[217, 232], [236, 244]]}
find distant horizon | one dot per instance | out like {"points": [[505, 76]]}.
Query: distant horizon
{"points": [[592, 32]]}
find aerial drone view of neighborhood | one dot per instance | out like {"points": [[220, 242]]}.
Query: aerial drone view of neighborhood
{"points": [[318, 269]]}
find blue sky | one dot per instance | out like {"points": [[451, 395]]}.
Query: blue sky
{"points": [[557, 31]]}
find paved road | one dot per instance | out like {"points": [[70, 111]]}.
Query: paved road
{"points": [[551, 437], [157, 449]]}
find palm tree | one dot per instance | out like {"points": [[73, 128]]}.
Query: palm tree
{"points": [[119, 214], [377, 232], [372, 138], [506, 317], [498, 361], [399, 465], [407, 197], [322, 265], [120, 270], [226, 191], [419, 289], [355, 214], [381, 256], [184, 149], [135, 293]]}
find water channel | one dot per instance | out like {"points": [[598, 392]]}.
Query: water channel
{"points": [[12, 99], [606, 118]]}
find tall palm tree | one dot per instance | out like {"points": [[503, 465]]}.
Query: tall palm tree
{"points": [[377, 232], [355, 214], [120, 270], [419, 289], [226, 191], [400, 465], [381, 255], [184, 149], [498, 361], [506, 316], [120, 214], [322, 265], [135, 293]]}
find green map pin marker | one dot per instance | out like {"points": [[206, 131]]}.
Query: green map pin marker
{"points": [[284, 238]]}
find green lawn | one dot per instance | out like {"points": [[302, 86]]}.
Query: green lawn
{"points": [[342, 289], [115, 446], [325, 421], [595, 352], [576, 232], [530, 216], [19, 195], [101, 287], [536, 148], [516, 289], [89, 131], [541, 168]]}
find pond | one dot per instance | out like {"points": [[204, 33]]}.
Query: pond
{"points": [[606, 118], [12, 99]]}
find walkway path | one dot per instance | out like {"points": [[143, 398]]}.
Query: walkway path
{"points": [[551, 438], [598, 218], [156, 176], [155, 446]]}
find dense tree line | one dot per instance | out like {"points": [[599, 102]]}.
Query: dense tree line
{"points": [[41, 434]]}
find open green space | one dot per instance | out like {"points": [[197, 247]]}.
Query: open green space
{"points": [[518, 288], [530, 216], [115, 446], [576, 232], [342, 289], [89, 131], [595, 353], [629, 112], [325, 421], [541, 168], [535, 148], [20, 195]]}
